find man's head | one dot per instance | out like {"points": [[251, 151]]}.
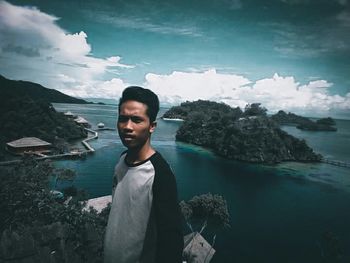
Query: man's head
{"points": [[138, 108], [144, 96]]}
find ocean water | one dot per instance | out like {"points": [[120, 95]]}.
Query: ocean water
{"points": [[278, 213]]}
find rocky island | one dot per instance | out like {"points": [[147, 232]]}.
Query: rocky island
{"points": [[303, 123], [248, 135]]}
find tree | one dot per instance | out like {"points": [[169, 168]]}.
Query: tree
{"points": [[254, 109], [63, 174], [28, 209], [326, 121], [208, 210]]}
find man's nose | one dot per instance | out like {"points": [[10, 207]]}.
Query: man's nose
{"points": [[128, 125]]}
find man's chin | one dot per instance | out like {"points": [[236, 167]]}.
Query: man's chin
{"points": [[129, 144]]}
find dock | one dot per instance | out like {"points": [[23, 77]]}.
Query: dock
{"points": [[85, 142], [73, 154], [336, 162], [106, 129], [44, 157]]}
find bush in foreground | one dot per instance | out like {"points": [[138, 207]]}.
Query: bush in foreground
{"points": [[37, 227]]}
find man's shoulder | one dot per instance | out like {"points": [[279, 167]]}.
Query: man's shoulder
{"points": [[160, 163], [164, 178]]}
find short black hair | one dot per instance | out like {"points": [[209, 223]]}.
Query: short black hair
{"points": [[146, 96]]}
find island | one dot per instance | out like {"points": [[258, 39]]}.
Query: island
{"points": [[303, 123], [245, 135], [27, 112]]}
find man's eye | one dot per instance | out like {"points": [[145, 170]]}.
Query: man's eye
{"points": [[136, 119], [123, 119]]}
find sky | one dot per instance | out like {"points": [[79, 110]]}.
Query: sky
{"points": [[291, 55]]}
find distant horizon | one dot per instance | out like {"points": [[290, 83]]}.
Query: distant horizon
{"points": [[167, 106], [96, 100]]}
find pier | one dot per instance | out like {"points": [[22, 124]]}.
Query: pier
{"points": [[85, 142], [336, 162], [72, 154], [43, 157], [106, 129]]}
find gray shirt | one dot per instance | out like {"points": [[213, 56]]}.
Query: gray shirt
{"points": [[144, 210]]}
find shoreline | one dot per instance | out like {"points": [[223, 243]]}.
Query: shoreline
{"points": [[172, 119], [71, 154]]}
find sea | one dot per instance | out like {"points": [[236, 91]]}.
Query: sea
{"points": [[289, 212]]}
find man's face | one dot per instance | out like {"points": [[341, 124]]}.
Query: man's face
{"points": [[134, 126]]}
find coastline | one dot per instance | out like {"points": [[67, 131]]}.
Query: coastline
{"points": [[172, 119]]}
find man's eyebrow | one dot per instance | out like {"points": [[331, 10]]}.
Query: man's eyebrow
{"points": [[130, 116]]}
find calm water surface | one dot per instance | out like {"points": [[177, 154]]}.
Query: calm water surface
{"points": [[278, 213]]}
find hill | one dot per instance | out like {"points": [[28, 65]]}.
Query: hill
{"points": [[248, 135], [17, 88], [26, 111]]}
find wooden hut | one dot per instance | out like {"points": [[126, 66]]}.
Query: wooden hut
{"points": [[197, 249], [69, 114], [28, 144], [80, 120]]}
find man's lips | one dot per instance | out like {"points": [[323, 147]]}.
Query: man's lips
{"points": [[128, 137]]}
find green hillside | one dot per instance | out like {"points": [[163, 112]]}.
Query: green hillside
{"points": [[18, 88], [248, 135], [26, 111]]}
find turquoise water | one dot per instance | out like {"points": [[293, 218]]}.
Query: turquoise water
{"points": [[278, 213], [333, 145]]}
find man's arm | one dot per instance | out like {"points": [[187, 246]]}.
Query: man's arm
{"points": [[168, 216]]}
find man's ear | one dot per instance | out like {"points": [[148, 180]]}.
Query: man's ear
{"points": [[152, 127]]}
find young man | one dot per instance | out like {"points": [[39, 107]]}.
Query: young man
{"points": [[144, 223]]}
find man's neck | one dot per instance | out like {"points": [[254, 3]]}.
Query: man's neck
{"points": [[135, 156]]}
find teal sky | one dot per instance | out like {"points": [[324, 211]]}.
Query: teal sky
{"points": [[287, 54]]}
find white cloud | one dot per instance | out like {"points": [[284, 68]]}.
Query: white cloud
{"points": [[145, 24], [65, 78], [311, 40], [33, 47], [180, 86], [95, 89], [274, 93], [114, 62]]}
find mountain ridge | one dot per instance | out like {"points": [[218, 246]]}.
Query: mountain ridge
{"points": [[13, 88]]}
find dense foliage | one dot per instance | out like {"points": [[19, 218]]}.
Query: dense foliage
{"points": [[202, 106], [208, 208], [303, 123], [24, 117], [202, 212], [248, 136], [326, 121], [28, 206]]}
